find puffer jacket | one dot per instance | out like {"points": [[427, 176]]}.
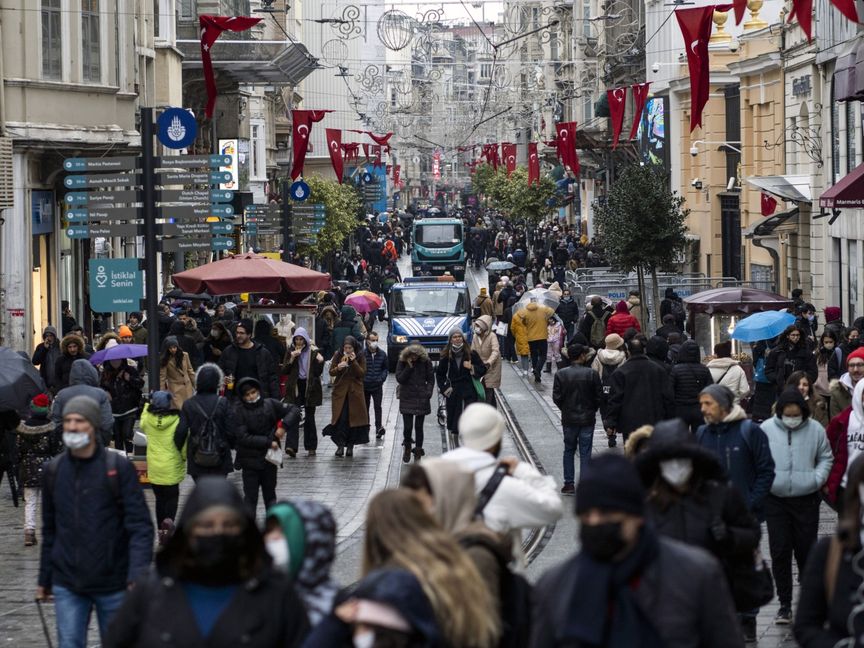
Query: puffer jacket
{"points": [[784, 360], [689, 377], [92, 541], [578, 392], [621, 321], [376, 369], [520, 336], [166, 465], [486, 346], [84, 381], [416, 383], [802, 457], [534, 318], [192, 417], [568, 311], [840, 393], [347, 325], [255, 429], [37, 442], [728, 372]]}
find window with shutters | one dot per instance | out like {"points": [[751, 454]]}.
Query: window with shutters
{"points": [[52, 67], [90, 43]]}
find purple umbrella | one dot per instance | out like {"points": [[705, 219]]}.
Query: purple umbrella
{"points": [[119, 352]]}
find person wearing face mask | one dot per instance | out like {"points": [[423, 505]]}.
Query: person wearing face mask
{"points": [[97, 537], [349, 422], [852, 340], [213, 584], [303, 367], [300, 536], [123, 384], [802, 460], [216, 342], [645, 589], [373, 381], [260, 424], [485, 343], [457, 368]]}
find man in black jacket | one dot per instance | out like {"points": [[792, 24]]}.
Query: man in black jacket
{"points": [[377, 371], [246, 358], [577, 391], [568, 311], [97, 537], [641, 394], [45, 357]]}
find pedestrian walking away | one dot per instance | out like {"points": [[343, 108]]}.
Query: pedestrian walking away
{"points": [[689, 377], [535, 317], [416, 379]]}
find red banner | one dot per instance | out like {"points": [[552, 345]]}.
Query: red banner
{"points": [[803, 11], [567, 146], [533, 164], [397, 169], [640, 97], [768, 205], [508, 152], [847, 8], [301, 128], [211, 28], [376, 152], [490, 152], [334, 144], [352, 151], [617, 103], [436, 165], [695, 27]]}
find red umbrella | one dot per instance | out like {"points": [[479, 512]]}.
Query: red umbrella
{"points": [[250, 273]]}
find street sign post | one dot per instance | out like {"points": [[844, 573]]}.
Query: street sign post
{"points": [[115, 285], [96, 230], [195, 196], [102, 214], [125, 163], [192, 177], [196, 211], [102, 180], [193, 161], [122, 196]]}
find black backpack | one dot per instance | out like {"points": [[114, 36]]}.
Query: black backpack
{"points": [[208, 446], [606, 376]]}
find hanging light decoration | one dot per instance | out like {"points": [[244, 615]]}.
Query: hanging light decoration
{"points": [[395, 29]]}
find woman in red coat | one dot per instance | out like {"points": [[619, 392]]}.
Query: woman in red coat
{"points": [[621, 320]]}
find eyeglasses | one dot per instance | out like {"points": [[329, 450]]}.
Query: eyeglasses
{"points": [[855, 365]]}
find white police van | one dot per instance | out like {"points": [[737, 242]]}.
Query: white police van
{"points": [[425, 310]]}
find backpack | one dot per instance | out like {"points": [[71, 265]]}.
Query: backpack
{"points": [[606, 376], [112, 463], [598, 330], [208, 446]]}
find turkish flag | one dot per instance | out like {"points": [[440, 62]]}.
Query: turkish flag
{"points": [[803, 10], [768, 205], [211, 28], [508, 152], [567, 146], [847, 8], [376, 151], [334, 145], [640, 96], [352, 151], [301, 128], [490, 152], [533, 164], [617, 102], [397, 169], [695, 27], [366, 151]]}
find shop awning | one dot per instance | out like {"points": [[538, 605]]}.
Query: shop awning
{"points": [[845, 75], [767, 225], [846, 194], [254, 62], [794, 188]]}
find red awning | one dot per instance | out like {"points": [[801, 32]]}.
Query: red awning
{"points": [[846, 194]]}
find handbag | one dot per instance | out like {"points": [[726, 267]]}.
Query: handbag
{"points": [[480, 389]]}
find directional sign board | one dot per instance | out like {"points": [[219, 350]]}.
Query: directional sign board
{"points": [[101, 231], [102, 213], [197, 211], [196, 195], [102, 180], [196, 229], [115, 285], [193, 161], [178, 245], [101, 164], [103, 197], [222, 243], [185, 177]]}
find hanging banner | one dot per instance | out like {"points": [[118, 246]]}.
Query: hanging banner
{"points": [[436, 165], [566, 143], [617, 103], [533, 164], [211, 28], [508, 152], [334, 145], [695, 27], [640, 96]]}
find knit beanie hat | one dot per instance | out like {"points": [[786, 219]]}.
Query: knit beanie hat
{"points": [[86, 407], [124, 331], [792, 396], [857, 353], [722, 395], [160, 401], [610, 483], [481, 426], [40, 404]]}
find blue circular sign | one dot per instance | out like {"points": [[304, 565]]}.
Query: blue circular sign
{"points": [[367, 178], [299, 191], [176, 128]]}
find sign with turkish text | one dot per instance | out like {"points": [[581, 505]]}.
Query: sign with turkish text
{"points": [[125, 163], [197, 211], [193, 161], [193, 177], [102, 213], [122, 196], [115, 285], [102, 180]]}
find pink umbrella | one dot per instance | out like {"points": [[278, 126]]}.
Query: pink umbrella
{"points": [[364, 301]]}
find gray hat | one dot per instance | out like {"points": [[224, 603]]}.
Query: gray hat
{"points": [[721, 394], [86, 407]]}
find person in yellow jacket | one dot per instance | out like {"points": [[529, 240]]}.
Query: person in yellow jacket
{"points": [[523, 351], [535, 318], [166, 466]]}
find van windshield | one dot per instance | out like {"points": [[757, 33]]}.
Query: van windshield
{"points": [[429, 302], [439, 236]]}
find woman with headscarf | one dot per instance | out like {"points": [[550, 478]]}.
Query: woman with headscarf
{"points": [[485, 343], [166, 465], [400, 534], [213, 583], [349, 423], [300, 536], [175, 373], [457, 369], [303, 367], [416, 378]]}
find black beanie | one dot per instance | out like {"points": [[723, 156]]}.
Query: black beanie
{"points": [[791, 396], [610, 483], [246, 323]]}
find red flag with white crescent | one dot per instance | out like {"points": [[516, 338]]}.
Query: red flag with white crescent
{"points": [[211, 28], [695, 24], [334, 145], [640, 97], [768, 205], [301, 129], [397, 169], [567, 146], [533, 164], [377, 162], [803, 11], [617, 103], [508, 152]]}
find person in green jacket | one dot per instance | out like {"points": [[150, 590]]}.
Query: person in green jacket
{"points": [[166, 466]]}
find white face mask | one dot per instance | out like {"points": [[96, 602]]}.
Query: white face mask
{"points": [[676, 472], [478, 330], [364, 639], [372, 345], [457, 347], [76, 440], [278, 550], [792, 422]]}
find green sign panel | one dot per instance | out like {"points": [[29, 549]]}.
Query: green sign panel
{"points": [[221, 243], [115, 285]]}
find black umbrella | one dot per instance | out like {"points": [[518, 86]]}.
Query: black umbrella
{"points": [[19, 381], [176, 293]]}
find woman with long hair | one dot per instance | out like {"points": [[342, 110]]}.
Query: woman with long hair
{"points": [[175, 373], [818, 406], [400, 533], [416, 378], [457, 369], [790, 355], [349, 423]]}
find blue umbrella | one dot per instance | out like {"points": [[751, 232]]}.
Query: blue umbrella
{"points": [[119, 352], [762, 326]]}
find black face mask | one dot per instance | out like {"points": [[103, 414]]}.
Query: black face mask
{"points": [[602, 541], [215, 559]]}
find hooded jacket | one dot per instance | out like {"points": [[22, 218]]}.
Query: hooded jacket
{"points": [[568, 311], [840, 392], [63, 365], [416, 383], [728, 372], [166, 465], [254, 426], [84, 381], [689, 377], [622, 320], [265, 363], [45, 357], [314, 395], [849, 422], [534, 318], [347, 325], [744, 452], [802, 456], [785, 359], [486, 346]]}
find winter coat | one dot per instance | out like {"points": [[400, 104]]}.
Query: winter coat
{"points": [[578, 392], [166, 465], [139, 334], [268, 373], [314, 391], [634, 307], [534, 318], [347, 325], [377, 369], [192, 417], [568, 311], [486, 346], [802, 457], [45, 358], [728, 372], [484, 303], [689, 377], [448, 374], [348, 385], [36, 442], [63, 365], [254, 429], [621, 321], [744, 452], [520, 335], [640, 394], [682, 591], [125, 394], [84, 381], [264, 611], [784, 360], [178, 379], [93, 542], [416, 383], [213, 347], [840, 394], [555, 339]]}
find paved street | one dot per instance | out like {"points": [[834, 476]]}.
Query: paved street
{"points": [[346, 486]]}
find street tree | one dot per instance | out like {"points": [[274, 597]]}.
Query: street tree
{"points": [[641, 225], [341, 203], [511, 194]]}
